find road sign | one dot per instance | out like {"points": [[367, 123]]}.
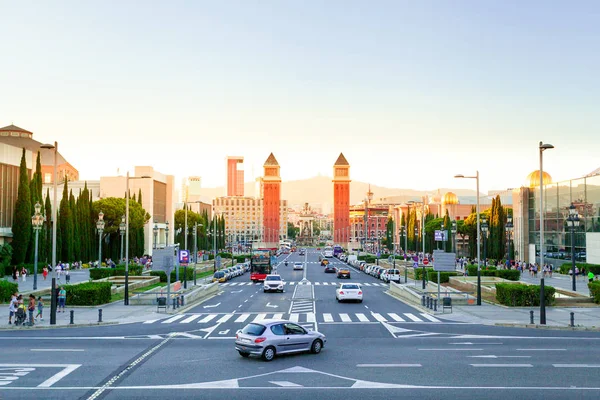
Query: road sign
{"points": [[444, 261], [164, 259], [441, 236], [425, 261], [218, 260], [184, 256], [415, 264]]}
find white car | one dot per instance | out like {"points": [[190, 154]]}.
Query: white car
{"points": [[299, 265], [349, 291], [273, 283], [391, 275]]}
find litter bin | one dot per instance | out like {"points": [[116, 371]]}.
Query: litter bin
{"points": [[161, 303]]}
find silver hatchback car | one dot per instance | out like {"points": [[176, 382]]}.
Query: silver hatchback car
{"points": [[271, 337]]}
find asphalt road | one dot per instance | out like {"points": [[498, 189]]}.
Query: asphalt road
{"points": [[380, 348]]}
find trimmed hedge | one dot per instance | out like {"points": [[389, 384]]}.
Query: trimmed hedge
{"points": [[595, 291], [368, 258], [444, 276], [100, 273], [419, 272], [7, 289], [88, 294], [566, 267], [2, 273], [516, 295], [510, 274], [163, 275]]}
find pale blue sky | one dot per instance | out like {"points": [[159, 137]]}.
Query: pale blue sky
{"points": [[411, 92]]}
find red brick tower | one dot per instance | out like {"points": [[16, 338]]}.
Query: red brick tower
{"points": [[271, 202], [341, 201]]}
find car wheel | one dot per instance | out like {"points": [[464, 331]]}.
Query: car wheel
{"points": [[360, 301], [264, 291], [269, 353], [244, 354], [316, 346], [338, 300]]}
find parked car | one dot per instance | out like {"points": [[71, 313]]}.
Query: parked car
{"points": [[273, 282], [219, 276], [349, 291], [391, 275], [269, 338]]}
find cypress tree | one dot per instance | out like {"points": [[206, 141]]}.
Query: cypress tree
{"points": [[47, 254], [66, 226], [75, 218], [141, 234], [21, 228], [448, 228]]}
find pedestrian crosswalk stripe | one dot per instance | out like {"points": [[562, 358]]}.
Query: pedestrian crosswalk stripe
{"points": [[242, 318], [366, 284], [396, 317], [326, 283], [172, 319], [345, 318], [292, 283], [379, 317], [310, 317], [234, 283], [413, 317], [190, 319], [317, 283], [225, 318], [278, 316], [362, 317], [151, 321], [327, 318], [431, 318], [207, 318], [294, 317], [260, 317]]}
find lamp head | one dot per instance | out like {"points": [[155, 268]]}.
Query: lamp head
{"points": [[47, 146], [545, 146], [37, 207], [459, 176]]}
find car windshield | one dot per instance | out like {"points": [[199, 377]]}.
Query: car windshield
{"points": [[344, 269], [298, 263], [253, 329], [218, 275], [346, 286], [273, 278]]}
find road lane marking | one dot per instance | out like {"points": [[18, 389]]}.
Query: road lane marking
{"points": [[310, 317], [61, 350], [317, 283], [151, 321], [173, 319], [285, 384], [242, 318], [277, 316], [378, 317], [362, 317], [326, 283], [541, 349], [576, 365], [413, 317], [429, 317], [259, 317], [294, 317], [224, 318], [345, 318], [207, 318], [190, 319], [454, 349], [501, 365], [492, 356], [396, 317], [327, 318], [388, 365]]}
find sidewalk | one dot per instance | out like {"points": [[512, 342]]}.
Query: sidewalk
{"points": [[80, 275], [559, 281]]}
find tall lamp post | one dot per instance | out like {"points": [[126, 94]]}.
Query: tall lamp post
{"points": [[573, 223], [54, 222], [542, 147], [442, 236], [122, 232], [508, 228], [155, 231], [484, 229], [454, 230], [476, 177], [37, 220], [167, 234], [100, 229]]}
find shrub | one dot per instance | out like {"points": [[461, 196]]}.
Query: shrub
{"points": [[161, 274], [444, 276], [241, 258], [225, 255], [7, 289], [510, 274], [419, 272], [88, 294], [2, 270], [100, 273], [595, 291], [566, 267], [516, 295]]}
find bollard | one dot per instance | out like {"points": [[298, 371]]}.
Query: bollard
{"points": [[428, 302], [174, 303], [435, 305], [182, 301], [194, 277], [572, 319], [100, 315], [423, 300], [72, 313], [531, 317]]}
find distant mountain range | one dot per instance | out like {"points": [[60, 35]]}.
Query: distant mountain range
{"points": [[318, 190]]}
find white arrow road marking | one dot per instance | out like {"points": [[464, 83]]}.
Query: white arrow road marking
{"points": [[285, 384], [394, 329], [492, 356], [225, 332], [66, 370], [185, 334], [213, 305], [271, 305]]}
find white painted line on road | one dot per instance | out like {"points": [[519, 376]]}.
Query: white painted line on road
{"points": [[541, 349], [345, 318], [294, 317], [310, 317], [285, 384], [207, 318], [242, 318], [224, 318], [173, 319], [190, 319], [259, 317], [317, 283], [61, 350], [57, 377], [413, 317], [234, 283], [388, 365], [366, 284], [454, 349], [362, 317], [327, 318], [277, 316], [396, 317], [429, 317], [492, 356], [151, 321], [378, 317], [576, 365], [501, 365], [326, 283], [245, 301]]}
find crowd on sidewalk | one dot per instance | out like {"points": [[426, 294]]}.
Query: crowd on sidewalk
{"points": [[23, 313]]}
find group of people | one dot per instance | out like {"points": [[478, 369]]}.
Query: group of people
{"points": [[22, 313], [22, 273]]}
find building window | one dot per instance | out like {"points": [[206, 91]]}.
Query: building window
{"points": [[47, 177]]}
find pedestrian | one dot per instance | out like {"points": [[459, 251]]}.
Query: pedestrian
{"points": [[31, 309], [590, 276], [12, 307], [67, 276], [24, 274], [16, 276], [40, 312], [45, 272], [62, 298]]}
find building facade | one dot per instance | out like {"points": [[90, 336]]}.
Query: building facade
{"points": [[235, 176]]}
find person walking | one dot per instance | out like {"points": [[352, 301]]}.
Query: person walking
{"points": [[40, 308], [590, 277], [62, 298], [45, 272], [24, 274], [31, 309], [12, 307]]}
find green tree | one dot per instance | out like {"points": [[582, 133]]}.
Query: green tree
{"points": [[66, 226], [47, 231], [448, 228], [76, 226], [21, 228], [35, 191], [292, 231], [389, 234]]}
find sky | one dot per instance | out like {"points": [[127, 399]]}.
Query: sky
{"points": [[412, 92]]}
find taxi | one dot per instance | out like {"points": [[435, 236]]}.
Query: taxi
{"points": [[220, 277]]}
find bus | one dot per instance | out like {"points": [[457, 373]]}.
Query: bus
{"points": [[337, 250], [328, 252], [260, 264]]}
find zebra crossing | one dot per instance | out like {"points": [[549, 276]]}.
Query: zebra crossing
{"points": [[300, 318], [292, 283]]}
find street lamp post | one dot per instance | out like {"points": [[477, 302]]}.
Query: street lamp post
{"points": [[442, 235], [167, 234], [508, 228], [122, 232], [37, 220], [155, 230], [454, 230], [573, 223], [100, 229], [54, 225], [542, 147], [484, 229], [476, 177]]}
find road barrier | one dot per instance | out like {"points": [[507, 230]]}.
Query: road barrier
{"points": [[572, 318]]}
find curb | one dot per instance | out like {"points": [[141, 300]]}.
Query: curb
{"points": [[549, 327], [417, 306], [38, 327]]}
